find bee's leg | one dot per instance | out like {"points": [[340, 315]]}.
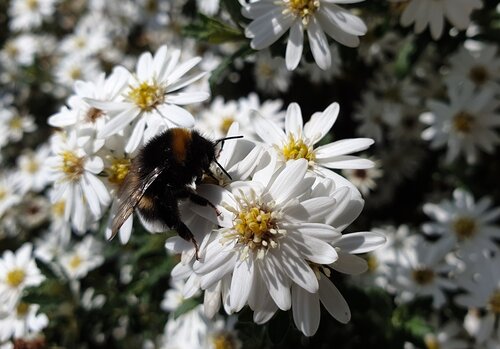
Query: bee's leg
{"points": [[188, 192], [187, 235]]}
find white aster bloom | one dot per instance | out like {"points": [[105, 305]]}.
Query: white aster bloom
{"points": [[465, 125], [425, 273], [152, 100], [33, 173], [29, 14], [17, 271], [271, 74], [466, 224], [24, 321], [432, 13], [16, 124], [84, 257], [481, 67], [271, 19], [78, 112], [74, 67], [19, 50], [298, 141], [364, 179], [74, 173], [264, 232]]}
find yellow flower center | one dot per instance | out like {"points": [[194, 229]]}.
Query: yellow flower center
{"points": [[463, 122], [72, 165], [423, 276], [372, 263], [431, 342], [265, 70], [302, 8], [255, 226], [75, 262], [93, 114], [224, 341], [297, 149], [58, 208], [3, 193], [494, 303], [80, 42], [226, 124], [16, 123], [15, 277], [22, 309], [464, 227], [75, 73], [32, 4], [479, 74], [32, 166], [118, 170], [147, 96]]}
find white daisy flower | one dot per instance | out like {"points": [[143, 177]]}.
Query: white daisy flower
{"points": [[432, 13], [17, 271], [425, 273], [269, 108], [481, 67], [72, 68], [23, 322], [29, 14], [465, 125], [464, 223], [447, 336], [16, 123], [263, 234], [74, 173], [152, 99], [33, 173], [364, 179], [271, 19], [84, 257], [79, 113], [19, 50], [270, 73], [297, 141]]}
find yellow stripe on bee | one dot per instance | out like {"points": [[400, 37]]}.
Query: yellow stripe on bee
{"points": [[181, 137], [146, 203]]}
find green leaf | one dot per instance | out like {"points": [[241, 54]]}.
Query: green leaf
{"points": [[403, 60], [186, 306], [213, 31]]}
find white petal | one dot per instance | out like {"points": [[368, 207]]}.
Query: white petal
{"points": [[294, 46], [293, 120], [361, 242], [241, 283], [306, 310], [333, 301]]}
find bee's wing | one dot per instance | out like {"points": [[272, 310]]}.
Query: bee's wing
{"points": [[131, 192]]}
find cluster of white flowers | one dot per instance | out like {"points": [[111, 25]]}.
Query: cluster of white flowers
{"points": [[337, 102]]}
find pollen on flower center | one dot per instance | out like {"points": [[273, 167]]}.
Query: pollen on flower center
{"points": [[72, 165], [147, 95], [32, 4], [118, 170], [297, 149], [3, 193], [22, 309], [431, 342], [463, 122], [15, 277], [464, 227], [302, 8], [255, 226], [226, 123], [423, 276], [16, 123], [479, 74], [93, 114], [75, 262], [494, 303], [58, 208], [224, 341], [372, 263]]}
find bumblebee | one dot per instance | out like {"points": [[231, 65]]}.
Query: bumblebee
{"points": [[161, 174]]}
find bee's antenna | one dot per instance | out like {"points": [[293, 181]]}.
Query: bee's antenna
{"points": [[222, 168], [221, 140]]}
